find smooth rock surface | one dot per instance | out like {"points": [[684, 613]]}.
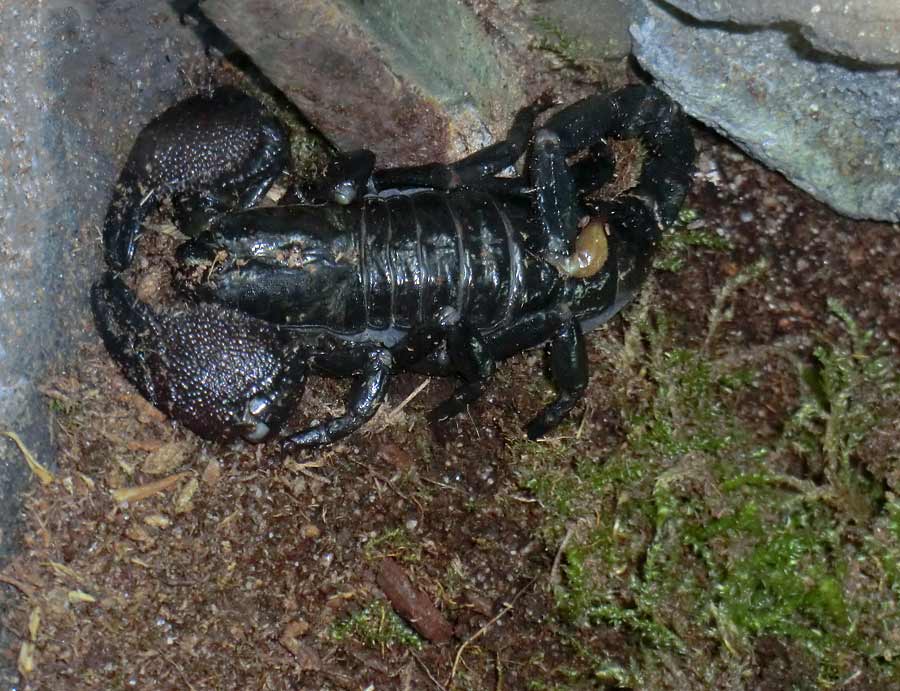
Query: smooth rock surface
{"points": [[592, 29], [833, 130], [78, 80], [413, 80], [863, 30]]}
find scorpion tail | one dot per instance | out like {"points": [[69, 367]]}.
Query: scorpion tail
{"points": [[640, 213]]}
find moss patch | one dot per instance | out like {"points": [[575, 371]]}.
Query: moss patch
{"points": [[701, 536], [376, 626]]}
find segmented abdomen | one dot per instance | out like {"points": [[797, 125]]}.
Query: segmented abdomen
{"points": [[429, 250]]}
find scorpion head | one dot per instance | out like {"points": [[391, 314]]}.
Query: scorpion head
{"points": [[219, 372]]}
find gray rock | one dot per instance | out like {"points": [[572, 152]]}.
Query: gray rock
{"points": [[591, 29], [413, 80], [832, 129], [78, 80], [864, 30]]}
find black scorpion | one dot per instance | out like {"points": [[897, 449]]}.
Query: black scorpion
{"points": [[438, 269]]}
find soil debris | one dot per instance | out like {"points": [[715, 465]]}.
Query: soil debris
{"points": [[412, 604]]}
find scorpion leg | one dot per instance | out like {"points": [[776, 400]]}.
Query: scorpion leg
{"points": [[371, 366], [448, 347], [474, 169], [566, 355], [424, 340], [568, 371], [345, 180], [470, 359]]}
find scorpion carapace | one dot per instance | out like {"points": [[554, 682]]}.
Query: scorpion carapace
{"points": [[439, 269]]}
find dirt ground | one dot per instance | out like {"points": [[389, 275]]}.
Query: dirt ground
{"points": [[720, 512]]}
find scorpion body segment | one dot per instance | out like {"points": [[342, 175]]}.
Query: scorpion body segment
{"points": [[439, 269], [384, 265]]}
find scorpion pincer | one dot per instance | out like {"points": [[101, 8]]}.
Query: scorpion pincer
{"points": [[443, 270]]}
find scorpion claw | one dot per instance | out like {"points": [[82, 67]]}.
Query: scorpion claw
{"points": [[239, 144], [124, 322], [220, 372]]}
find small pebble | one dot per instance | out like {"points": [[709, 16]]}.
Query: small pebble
{"points": [[211, 473], [310, 531]]}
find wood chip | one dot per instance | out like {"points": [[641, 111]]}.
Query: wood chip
{"points": [[165, 459], [138, 534], [412, 604], [76, 596], [34, 623], [310, 531], [183, 502], [63, 571], [212, 473], [26, 659], [305, 657], [44, 475], [158, 520], [480, 604], [396, 455], [127, 494]]}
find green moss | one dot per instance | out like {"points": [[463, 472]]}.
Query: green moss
{"points": [[309, 150], [375, 626], [395, 543], [691, 540], [59, 407], [684, 238], [780, 580], [850, 389]]}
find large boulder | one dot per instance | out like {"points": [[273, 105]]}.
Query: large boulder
{"points": [[811, 110], [867, 31]]}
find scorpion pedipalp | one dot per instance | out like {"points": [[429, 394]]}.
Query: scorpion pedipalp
{"points": [[221, 373], [209, 142]]}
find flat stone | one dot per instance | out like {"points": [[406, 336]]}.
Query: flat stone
{"points": [[590, 29], [832, 129], [413, 80]]}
